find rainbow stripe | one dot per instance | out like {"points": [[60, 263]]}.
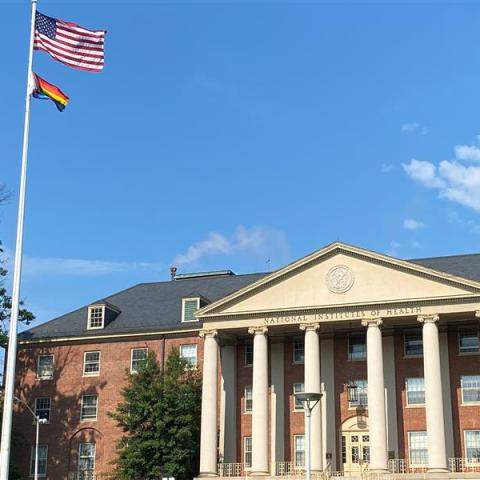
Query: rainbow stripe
{"points": [[46, 91]]}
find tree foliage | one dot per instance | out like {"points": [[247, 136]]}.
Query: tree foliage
{"points": [[160, 420], [24, 315]]}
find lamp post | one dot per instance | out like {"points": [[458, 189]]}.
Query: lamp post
{"points": [[309, 400], [37, 421]]}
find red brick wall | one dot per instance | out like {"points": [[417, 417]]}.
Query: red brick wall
{"points": [[294, 421], [65, 430], [465, 417]]}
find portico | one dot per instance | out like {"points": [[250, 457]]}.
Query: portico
{"points": [[319, 302]]}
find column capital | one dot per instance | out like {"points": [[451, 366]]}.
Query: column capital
{"points": [[208, 333], [257, 330], [428, 318], [309, 327], [372, 322]]}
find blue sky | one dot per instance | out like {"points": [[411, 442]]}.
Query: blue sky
{"points": [[241, 135]]}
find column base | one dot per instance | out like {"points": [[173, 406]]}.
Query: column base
{"points": [[378, 470], [437, 470], [207, 475], [259, 474]]}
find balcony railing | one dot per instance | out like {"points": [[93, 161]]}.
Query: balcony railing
{"points": [[402, 465], [90, 475], [464, 465], [231, 470]]}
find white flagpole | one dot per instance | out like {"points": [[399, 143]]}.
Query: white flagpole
{"points": [[12, 340]]}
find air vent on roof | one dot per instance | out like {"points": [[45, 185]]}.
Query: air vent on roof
{"points": [[219, 273]]}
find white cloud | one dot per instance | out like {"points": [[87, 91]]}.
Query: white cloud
{"points": [[387, 167], [467, 152], [412, 224], [257, 240], [416, 244], [455, 181], [35, 266], [414, 127], [424, 172]]}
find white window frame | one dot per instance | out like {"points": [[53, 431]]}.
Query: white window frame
{"points": [[247, 397], [247, 345], [405, 354], [91, 308], [189, 345], [294, 351], [349, 357], [463, 330], [42, 377], [49, 409], [131, 357], [80, 456], [88, 419], [184, 301], [477, 402], [295, 451], [42, 447], [410, 449], [90, 374], [295, 407], [476, 463], [413, 405], [245, 451]]}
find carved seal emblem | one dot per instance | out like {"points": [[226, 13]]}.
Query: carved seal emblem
{"points": [[340, 279]]}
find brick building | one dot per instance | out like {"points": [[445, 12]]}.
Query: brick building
{"points": [[392, 345]]}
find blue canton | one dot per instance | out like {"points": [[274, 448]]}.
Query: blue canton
{"points": [[45, 25]]}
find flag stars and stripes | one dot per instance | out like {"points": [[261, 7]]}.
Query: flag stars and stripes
{"points": [[69, 43]]}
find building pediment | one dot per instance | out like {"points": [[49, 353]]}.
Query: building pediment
{"points": [[340, 276]]}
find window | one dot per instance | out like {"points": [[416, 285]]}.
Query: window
{"points": [[248, 399], [298, 351], [415, 391], [417, 448], [89, 407], [91, 364], [470, 385], [472, 446], [357, 347], [42, 408], [138, 358], [86, 457], [362, 394], [189, 307], [468, 341], [299, 450], [189, 353], [247, 451], [45, 367], [413, 344], [96, 315], [298, 388], [248, 354], [42, 460]]}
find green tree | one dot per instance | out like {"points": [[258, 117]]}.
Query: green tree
{"points": [[160, 420]]}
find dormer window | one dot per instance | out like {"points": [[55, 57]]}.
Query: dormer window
{"points": [[101, 314], [96, 316], [189, 307]]}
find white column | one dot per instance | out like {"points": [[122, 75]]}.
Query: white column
{"points": [[208, 433], [260, 402], [312, 384], [437, 457], [376, 396]]}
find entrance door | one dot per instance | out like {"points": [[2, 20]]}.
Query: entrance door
{"points": [[355, 450]]}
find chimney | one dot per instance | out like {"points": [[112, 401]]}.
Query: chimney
{"points": [[173, 272]]}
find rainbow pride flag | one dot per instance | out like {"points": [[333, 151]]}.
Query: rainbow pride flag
{"points": [[46, 91]]}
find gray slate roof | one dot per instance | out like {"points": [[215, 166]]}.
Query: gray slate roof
{"points": [[157, 306], [145, 307]]}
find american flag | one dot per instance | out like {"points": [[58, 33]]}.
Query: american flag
{"points": [[69, 43]]}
